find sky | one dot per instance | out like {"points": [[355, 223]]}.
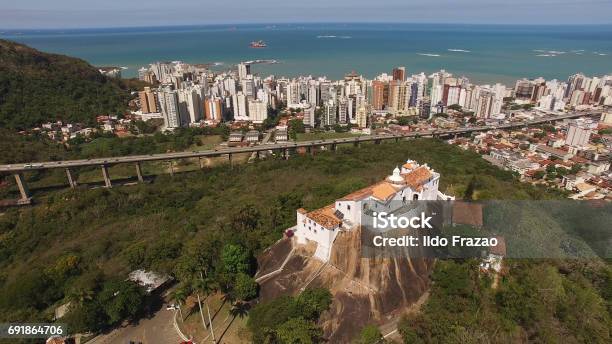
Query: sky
{"points": [[39, 14]]}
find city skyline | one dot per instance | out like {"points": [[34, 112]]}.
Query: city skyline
{"points": [[37, 14]]}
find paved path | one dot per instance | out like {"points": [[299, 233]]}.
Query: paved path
{"points": [[157, 330]]}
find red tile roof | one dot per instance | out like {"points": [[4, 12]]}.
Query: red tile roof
{"points": [[418, 177], [325, 217]]}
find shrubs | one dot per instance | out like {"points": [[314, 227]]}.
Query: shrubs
{"points": [[290, 319]]}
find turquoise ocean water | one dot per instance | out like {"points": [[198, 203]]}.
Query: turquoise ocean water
{"points": [[484, 53]]}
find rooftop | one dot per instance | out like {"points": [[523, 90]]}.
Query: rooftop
{"points": [[326, 217], [415, 179]]}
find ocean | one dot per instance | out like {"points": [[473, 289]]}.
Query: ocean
{"points": [[483, 53]]}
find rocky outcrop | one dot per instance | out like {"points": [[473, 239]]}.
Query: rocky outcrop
{"points": [[365, 290]]}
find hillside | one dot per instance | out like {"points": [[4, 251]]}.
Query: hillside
{"points": [[36, 87], [76, 242]]}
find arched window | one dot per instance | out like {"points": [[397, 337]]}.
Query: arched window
{"points": [[415, 197]]}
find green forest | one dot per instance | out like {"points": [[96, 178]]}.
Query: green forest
{"points": [[16, 148], [206, 227], [36, 87]]}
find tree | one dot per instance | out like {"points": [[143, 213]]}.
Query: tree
{"points": [[235, 259], [455, 107], [180, 295], [575, 168], [143, 127], [299, 331], [539, 174], [408, 334], [469, 191], [86, 317], [313, 302], [562, 171], [121, 300], [245, 288], [405, 120], [296, 126], [206, 287], [370, 334]]}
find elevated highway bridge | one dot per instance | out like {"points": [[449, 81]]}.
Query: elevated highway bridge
{"points": [[18, 169]]}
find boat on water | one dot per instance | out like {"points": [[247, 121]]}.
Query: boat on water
{"points": [[258, 44]]}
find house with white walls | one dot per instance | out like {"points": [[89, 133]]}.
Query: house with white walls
{"points": [[410, 182]]}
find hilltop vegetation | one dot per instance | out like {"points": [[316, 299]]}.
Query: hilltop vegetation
{"points": [[15, 148], [36, 87], [181, 225], [539, 301]]}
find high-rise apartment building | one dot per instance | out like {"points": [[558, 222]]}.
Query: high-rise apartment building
{"points": [[362, 116], [243, 70], [380, 94], [213, 109], [169, 104], [329, 113], [399, 73], [258, 111], [148, 101], [577, 135]]}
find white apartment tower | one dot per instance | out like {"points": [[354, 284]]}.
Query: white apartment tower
{"points": [[577, 135]]}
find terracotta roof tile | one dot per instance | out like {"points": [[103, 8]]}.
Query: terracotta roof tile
{"points": [[383, 191], [418, 177], [358, 195], [325, 217]]}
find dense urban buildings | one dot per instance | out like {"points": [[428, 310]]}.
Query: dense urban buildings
{"points": [[572, 155], [192, 95]]}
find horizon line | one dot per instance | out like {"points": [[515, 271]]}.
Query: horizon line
{"points": [[308, 23]]}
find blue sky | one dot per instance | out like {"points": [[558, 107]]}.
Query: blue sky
{"points": [[24, 14]]}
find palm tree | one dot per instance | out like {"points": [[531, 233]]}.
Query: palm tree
{"points": [[239, 309], [199, 286], [180, 295], [206, 287]]}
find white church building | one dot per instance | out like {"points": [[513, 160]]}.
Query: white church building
{"points": [[412, 182]]}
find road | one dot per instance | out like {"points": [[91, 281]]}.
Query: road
{"points": [[156, 330], [275, 146]]}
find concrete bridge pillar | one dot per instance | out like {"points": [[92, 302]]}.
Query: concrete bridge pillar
{"points": [[334, 147], [286, 154], [71, 180], [24, 191], [377, 141], [200, 163], [171, 168], [107, 181], [356, 143], [311, 150], [139, 172], [229, 158]]}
